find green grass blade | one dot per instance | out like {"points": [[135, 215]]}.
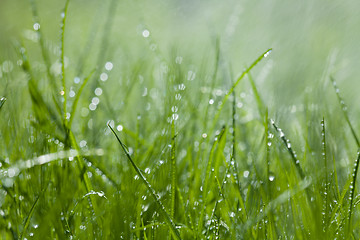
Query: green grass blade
{"points": [[258, 99], [152, 191], [344, 110], [290, 150], [246, 71], [206, 181], [325, 200], [352, 188], [62, 59], [77, 97], [31, 212], [87, 182], [173, 170]]}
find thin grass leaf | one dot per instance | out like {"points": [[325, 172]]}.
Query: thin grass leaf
{"points": [[31, 212], [325, 201], [87, 182], [246, 71], [152, 191], [173, 170], [352, 187], [206, 181], [77, 97], [62, 59], [344, 110], [290, 150], [259, 101]]}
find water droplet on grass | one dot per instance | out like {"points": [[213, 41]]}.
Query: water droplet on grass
{"points": [[271, 178], [246, 174], [146, 33], [119, 128], [98, 91], [36, 26], [211, 101], [109, 66], [103, 77]]}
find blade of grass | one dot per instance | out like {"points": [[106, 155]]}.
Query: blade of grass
{"points": [[206, 182], [62, 60], [173, 170], [87, 182], [77, 97], [152, 191], [31, 212], [325, 201], [344, 110], [352, 189], [246, 71], [290, 150]]}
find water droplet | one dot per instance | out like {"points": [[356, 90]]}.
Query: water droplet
{"points": [[103, 77], [95, 100], [119, 128], [147, 170], [232, 214], [178, 60], [246, 174], [136, 177], [92, 106], [174, 109], [82, 143], [146, 33], [76, 80], [204, 135], [211, 101], [109, 66], [36, 26], [271, 178], [191, 75], [98, 91]]}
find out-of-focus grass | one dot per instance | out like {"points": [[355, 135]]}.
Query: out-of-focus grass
{"points": [[164, 77]]}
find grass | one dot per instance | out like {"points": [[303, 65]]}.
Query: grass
{"points": [[107, 143]]}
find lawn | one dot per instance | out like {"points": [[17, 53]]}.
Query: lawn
{"points": [[179, 119]]}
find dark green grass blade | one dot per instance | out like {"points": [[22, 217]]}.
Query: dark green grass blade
{"points": [[31, 212], [152, 191], [290, 150], [2, 101], [344, 110]]}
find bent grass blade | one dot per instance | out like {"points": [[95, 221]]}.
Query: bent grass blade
{"points": [[152, 191]]}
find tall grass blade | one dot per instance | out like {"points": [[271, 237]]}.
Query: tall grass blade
{"points": [[290, 150], [77, 97], [325, 201], [206, 181], [62, 59], [173, 170], [152, 191], [87, 182], [31, 212], [352, 188], [344, 110], [246, 71]]}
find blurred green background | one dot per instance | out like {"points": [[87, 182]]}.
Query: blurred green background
{"points": [[303, 34]]}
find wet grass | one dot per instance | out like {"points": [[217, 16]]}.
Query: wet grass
{"points": [[161, 146]]}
